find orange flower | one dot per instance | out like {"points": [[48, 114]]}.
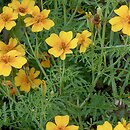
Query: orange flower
{"points": [[61, 124], [7, 18], [11, 59], [46, 60], [61, 44], [121, 22], [27, 80], [83, 40], [12, 45], [39, 20], [23, 8]]}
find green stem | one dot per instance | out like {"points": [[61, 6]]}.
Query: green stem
{"points": [[43, 71]]}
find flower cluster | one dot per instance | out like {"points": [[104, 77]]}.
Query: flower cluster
{"points": [[11, 55], [38, 19]]}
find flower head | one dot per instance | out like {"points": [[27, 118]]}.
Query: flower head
{"points": [[27, 80], [11, 59], [61, 44], [61, 124], [122, 125], [122, 21], [39, 20], [7, 18], [12, 45], [23, 8], [83, 40]]}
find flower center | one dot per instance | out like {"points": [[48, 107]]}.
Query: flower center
{"points": [[22, 10], [39, 18], [63, 46], [61, 128], [5, 58], [5, 17]]}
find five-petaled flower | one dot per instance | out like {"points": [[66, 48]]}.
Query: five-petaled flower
{"points": [[122, 21], [39, 20], [27, 80], [22, 8], [7, 18], [61, 124], [12, 45], [83, 40], [61, 44], [11, 59]]}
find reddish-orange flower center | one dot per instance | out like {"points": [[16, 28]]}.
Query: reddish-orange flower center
{"points": [[5, 17], [128, 19], [5, 58], [22, 9], [39, 18], [63, 46], [61, 128]]}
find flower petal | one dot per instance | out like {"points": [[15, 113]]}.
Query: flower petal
{"points": [[45, 13], [62, 120], [12, 42], [37, 27], [126, 29], [9, 25], [25, 88], [53, 40], [18, 62], [73, 43], [29, 21], [122, 11], [72, 127], [105, 126], [50, 126], [2, 46], [120, 127], [5, 69], [66, 36], [63, 56], [86, 33], [2, 24], [47, 24], [55, 52]]}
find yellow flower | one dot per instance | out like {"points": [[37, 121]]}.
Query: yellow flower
{"points": [[7, 18], [122, 125], [61, 44], [121, 22], [10, 59], [39, 20], [46, 60], [27, 80], [23, 8], [83, 40], [61, 124], [105, 126], [12, 45]]}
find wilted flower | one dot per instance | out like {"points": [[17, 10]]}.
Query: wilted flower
{"points": [[61, 124], [7, 18], [23, 8], [12, 45], [83, 40], [11, 59], [27, 80], [121, 22], [46, 60], [61, 44], [39, 20]]}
